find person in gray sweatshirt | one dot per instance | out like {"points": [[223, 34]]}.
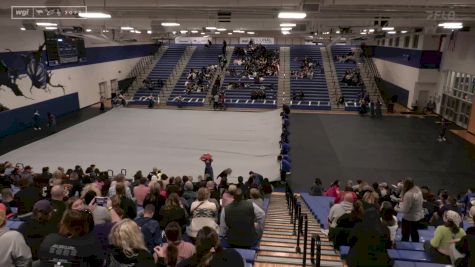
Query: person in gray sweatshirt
{"points": [[411, 209], [338, 210], [13, 248]]}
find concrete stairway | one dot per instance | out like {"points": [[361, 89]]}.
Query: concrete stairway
{"points": [[367, 71], [221, 73], [333, 84], [283, 89], [176, 74], [278, 245], [145, 71]]}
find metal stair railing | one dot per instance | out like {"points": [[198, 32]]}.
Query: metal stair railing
{"points": [[315, 250]]}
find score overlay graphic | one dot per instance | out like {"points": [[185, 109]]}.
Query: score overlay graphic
{"points": [[47, 12]]}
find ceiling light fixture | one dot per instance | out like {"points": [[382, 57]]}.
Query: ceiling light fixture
{"points": [[94, 15], [149, 32], [285, 32], [105, 30], [210, 28], [51, 28], [194, 31], [170, 24], [239, 31], [363, 33], [217, 32], [88, 30], [403, 31], [174, 32], [387, 28], [136, 31], [391, 32], [22, 29], [292, 15], [221, 29], [126, 28], [337, 32], [206, 36], [230, 33], [46, 24], [288, 25], [451, 25], [251, 33], [183, 31], [286, 29], [202, 33], [326, 33], [371, 30]]}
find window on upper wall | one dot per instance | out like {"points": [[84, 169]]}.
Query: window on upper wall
{"points": [[396, 42], [390, 41], [406, 41], [415, 41]]}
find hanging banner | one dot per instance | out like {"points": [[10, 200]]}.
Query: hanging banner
{"points": [[190, 40], [257, 40]]}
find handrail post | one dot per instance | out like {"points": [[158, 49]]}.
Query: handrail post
{"points": [[304, 263], [299, 231], [296, 216]]}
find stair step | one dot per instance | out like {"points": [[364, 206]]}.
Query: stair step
{"points": [[292, 249], [297, 255], [289, 240], [294, 261]]}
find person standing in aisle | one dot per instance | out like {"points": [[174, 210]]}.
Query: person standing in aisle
{"points": [[285, 167], [36, 120], [51, 122], [443, 129]]}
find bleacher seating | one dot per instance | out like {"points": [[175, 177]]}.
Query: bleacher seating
{"points": [[396, 254], [315, 90], [162, 71], [319, 206], [351, 94], [202, 57], [241, 97]]}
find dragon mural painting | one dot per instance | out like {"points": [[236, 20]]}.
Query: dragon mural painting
{"points": [[34, 69]]}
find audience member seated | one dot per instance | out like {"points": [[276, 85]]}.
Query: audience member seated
{"points": [[352, 77], [338, 210], [210, 253], [345, 224], [266, 188], [198, 80], [150, 228], [27, 196], [38, 226], [13, 249], [156, 198], [175, 250], [258, 61], [242, 222], [228, 195], [255, 197], [388, 218], [121, 201], [101, 214], [203, 213], [439, 246], [334, 189], [189, 194], [466, 245], [173, 211], [74, 244], [307, 69], [57, 202], [120, 178], [350, 58], [368, 242], [141, 190], [128, 246]]}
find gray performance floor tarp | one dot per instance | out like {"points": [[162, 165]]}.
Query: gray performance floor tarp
{"points": [[173, 140]]}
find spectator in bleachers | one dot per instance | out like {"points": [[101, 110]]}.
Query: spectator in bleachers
{"points": [[155, 198], [128, 246], [334, 189], [203, 213], [466, 245], [101, 214], [341, 194], [141, 190], [439, 246], [13, 249], [368, 242], [73, 244], [241, 222], [450, 204], [150, 228], [38, 226], [255, 197], [370, 202], [336, 211], [412, 210], [175, 250], [266, 188], [173, 211], [189, 194], [467, 199], [228, 195], [7, 200], [388, 218], [285, 167], [317, 188], [209, 252], [346, 222], [121, 201], [120, 178], [27, 196]]}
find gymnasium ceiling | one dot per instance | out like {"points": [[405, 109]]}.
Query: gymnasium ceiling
{"points": [[260, 16]]}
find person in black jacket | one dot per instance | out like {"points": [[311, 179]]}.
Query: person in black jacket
{"points": [[125, 204], [466, 245], [27, 196], [369, 241]]}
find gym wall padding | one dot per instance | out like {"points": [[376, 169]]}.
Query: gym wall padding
{"points": [[13, 121], [421, 59]]}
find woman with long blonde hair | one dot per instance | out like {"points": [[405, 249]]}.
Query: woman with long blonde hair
{"points": [[128, 245]]}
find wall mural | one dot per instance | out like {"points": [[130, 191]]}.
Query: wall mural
{"points": [[34, 68]]}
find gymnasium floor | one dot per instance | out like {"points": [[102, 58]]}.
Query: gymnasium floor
{"points": [[352, 147], [140, 139]]}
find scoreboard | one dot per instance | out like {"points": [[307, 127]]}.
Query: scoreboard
{"points": [[62, 49]]}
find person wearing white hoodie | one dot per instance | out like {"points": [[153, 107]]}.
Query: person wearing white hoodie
{"points": [[13, 249], [338, 210]]}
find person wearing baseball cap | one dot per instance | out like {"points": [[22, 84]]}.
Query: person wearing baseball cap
{"points": [[439, 246], [39, 226], [13, 248]]}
